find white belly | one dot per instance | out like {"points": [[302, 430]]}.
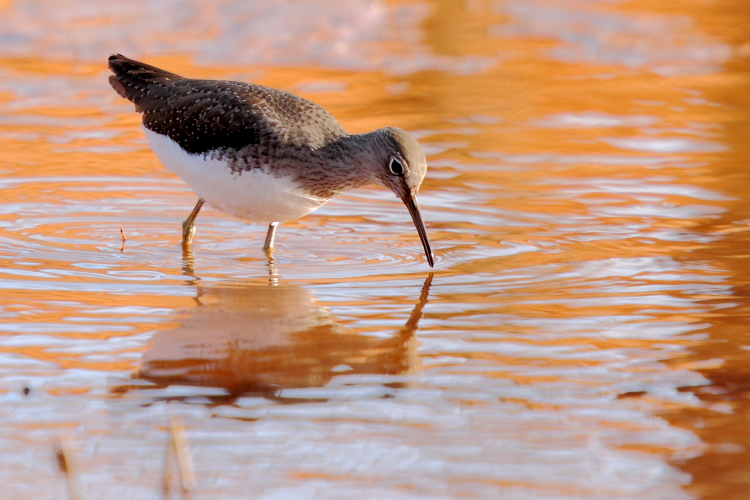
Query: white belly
{"points": [[251, 195]]}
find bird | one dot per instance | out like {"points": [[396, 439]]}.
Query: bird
{"points": [[261, 154]]}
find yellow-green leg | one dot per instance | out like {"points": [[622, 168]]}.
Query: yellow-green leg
{"points": [[188, 227], [268, 245]]}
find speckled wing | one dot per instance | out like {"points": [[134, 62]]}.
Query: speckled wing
{"points": [[208, 115]]}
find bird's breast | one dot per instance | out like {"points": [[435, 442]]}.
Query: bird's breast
{"points": [[260, 194]]}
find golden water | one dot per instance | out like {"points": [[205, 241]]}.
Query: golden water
{"points": [[584, 334]]}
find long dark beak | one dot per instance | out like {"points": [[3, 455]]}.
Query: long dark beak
{"points": [[416, 216]]}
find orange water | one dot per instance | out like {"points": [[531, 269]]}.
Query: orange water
{"points": [[583, 334]]}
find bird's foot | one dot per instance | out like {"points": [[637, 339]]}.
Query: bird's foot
{"points": [[188, 231]]}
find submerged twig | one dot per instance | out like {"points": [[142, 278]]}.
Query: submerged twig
{"points": [[124, 239], [178, 448], [69, 465]]}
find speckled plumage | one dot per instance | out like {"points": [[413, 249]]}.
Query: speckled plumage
{"points": [[216, 131], [208, 115]]}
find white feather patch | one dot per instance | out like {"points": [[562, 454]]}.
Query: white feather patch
{"points": [[251, 195]]}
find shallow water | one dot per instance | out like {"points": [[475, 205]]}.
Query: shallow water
{"points": [[583, 334]]}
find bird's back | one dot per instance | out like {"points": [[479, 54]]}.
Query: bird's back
{"points": [[203, 116]]}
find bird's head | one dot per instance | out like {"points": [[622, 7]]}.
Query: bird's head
{"points": [[401, 168]]}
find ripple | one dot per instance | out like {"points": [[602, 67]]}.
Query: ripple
{"points": [[666, 145], [72, 232]]}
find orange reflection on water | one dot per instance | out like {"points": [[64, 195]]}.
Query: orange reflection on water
{"points": [[584, 336], [265, 338]]}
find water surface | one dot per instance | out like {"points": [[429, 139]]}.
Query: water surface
{"points": [[582, 336]]}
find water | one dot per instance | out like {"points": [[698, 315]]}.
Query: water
{"points": [[583, 335]]}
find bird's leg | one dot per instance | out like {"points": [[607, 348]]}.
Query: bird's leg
{"points": [[268, 245], [188, 227]]}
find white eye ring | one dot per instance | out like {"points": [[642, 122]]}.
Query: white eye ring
{"points": [[396, 167]]}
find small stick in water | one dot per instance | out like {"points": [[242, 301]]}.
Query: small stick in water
{"points": [[178, 447], [69, 465], [122, 233]]}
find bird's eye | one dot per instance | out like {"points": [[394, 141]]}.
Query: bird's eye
{"points": [[396, 167]]}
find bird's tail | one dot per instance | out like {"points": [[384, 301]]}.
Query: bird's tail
{"points": [[133, 79]]}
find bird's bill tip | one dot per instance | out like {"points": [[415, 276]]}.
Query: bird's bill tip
{"points": [[413, 206]]}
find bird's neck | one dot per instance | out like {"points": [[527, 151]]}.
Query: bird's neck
{"points": [[350, 162]]}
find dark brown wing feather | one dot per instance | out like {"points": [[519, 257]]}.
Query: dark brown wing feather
{"points": [[209, 115]]}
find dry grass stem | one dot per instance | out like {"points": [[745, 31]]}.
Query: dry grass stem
{"points": [[70, 466], [182, 453]]}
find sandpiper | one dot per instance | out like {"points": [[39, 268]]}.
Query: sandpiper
{"points": [[261, 154]]}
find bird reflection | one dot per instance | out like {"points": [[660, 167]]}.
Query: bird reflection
{"points": [[260, 337]]}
